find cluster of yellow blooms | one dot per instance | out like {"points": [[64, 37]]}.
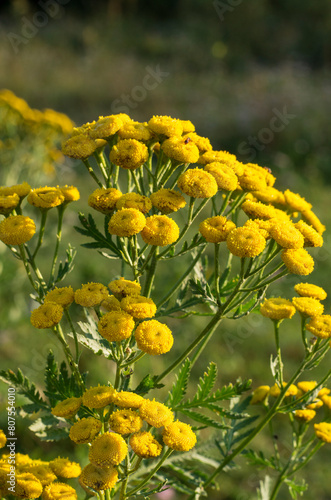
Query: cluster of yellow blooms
{"points": [[122, 423]]}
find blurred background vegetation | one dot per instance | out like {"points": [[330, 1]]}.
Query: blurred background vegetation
{"points": [[234, 68]]}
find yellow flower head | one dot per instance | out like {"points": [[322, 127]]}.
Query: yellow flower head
{"points": [[59, 491], [181, 149], [3, 439], [202, 143], [307, 385], [252, 179], [63, 467], [111, 303], [277, 308], [323, 431], [16, 230], [98, 479], [304, 415], [219, 156], [129, 154], [296, 202], [42, 472], [104, 200], [135, 130], [67, 408], [179, 436], [311, 237], [46, 197], [8, 203], [47, 315], [167, 200], [216, 229], [145, 445], [320, 326], [80, 146], [197, 183], [256, 209], [125, 422], [98, 397], [127, 222], [138, 306], [156, 414], [326, 401], [105, 127], [260, 225], [134, 200], [160, 230], [270, 194], [126, 399], [165, 125], [245, 242], [224, 175], [70, 193], [286, 234], [122, 288], [298, 261], [291, 391], [307, 306], [260, 394], [63, 296], [313, 220], [22, 190], [91, 294], [85, 430], [188, 126], [116, 325], [107, 450], [27, 486], [153, 337], [309, 290]]}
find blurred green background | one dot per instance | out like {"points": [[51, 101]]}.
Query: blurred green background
{"points": [[253, 76]]}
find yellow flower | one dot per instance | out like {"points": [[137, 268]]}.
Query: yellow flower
{"points": [[165, 125], [304, 415], [179, 436], [107, 450], [309, 290], [252, 179], [313, 220], [122, 287], [155, 414], [27, 486], [134, 200], [259, 210], [306, 386], [3, 439], [59, 491], [327, 401], [188, 126], [47, 315], [202, 143], [125, 422], [70, 193], [138, 306], [286, 234], [270, 195], [63, 467], [197, 183], [98, 397], [67, 408], [296, 202], [116, 325], [277, 308], [46, 197], [111, 303], [63, 296], [224, 175], [311, 237], [219, 156], [85, 430], [135, 130], [260, 394], [216, 229], [181, 149], [126, 399], [317, 403], [323, 431], [91, 294], [129, 154], [298, 261], [167, 200], [320, 326], [16, 230], [260, 225], [262, 171], [105, 127], [8, 203], [307, 306], [291, 391], [42, 472], [79, 146], [160, 230], [127, 222], [104, 200], [22, 190], [245, 242], [98, 479], [153, 337], [145, 445]]}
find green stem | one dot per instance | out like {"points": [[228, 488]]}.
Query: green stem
{"points": [[27, 268], [303, 333], [151, 474], [61, 210], [262, 284], [236, 204], [44, 214], [150, 275], [225, 202], [66, 349], [279, 356], [98, 155], [91, 172], [216, 272], [67, 314]]}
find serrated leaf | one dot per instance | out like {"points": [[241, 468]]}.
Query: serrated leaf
{"points": [[207, 382], [48, 429], [179, 387], [23, 386], [296, 488], [92, 339], [258, 459], [203, 419], [147, 384]]}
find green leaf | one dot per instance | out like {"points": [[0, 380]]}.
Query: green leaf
{"points": [[207, 382], [179, 387], [203, 419], [47, 429], [23, 386], [147, 384], [295, 488], [92, 339], [258, 459], [68, 265]]}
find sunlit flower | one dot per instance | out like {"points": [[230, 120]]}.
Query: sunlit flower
{"points": [[216, 229], [125, 422], [311, 237], [165, 125], [70, 193], [259, 210], [313, 220], [63, 467], [63, 296], [105, 127], [97, 478], [197, 183], [160, 230], [85, 430], [91, 294], [286, 234], [79, 146], [27, 486], [129, 154], [296, 202], [22, 190], [320, 326], [277, 308], [219, 156], [47, 315], [8, 203], [202, 143], [122, 287], [126, 399], [156, 414], [245, 242], [104, 200], [98, 397], [153, 337], [145, 445], [67, 408], [304, 415], [309, 290], [269, 194], [181, 149], [127, 222], [260, 394], [107, 450], [323, 431], [298, 261], [224, 175], [3, 439], [46, 197], [135, 130], [138, 306], [116, 325], [308, 306], [111, 303], [134, 200], [16, 230], [167, 200], [292, 390], [59, 491], [179, 436]]}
